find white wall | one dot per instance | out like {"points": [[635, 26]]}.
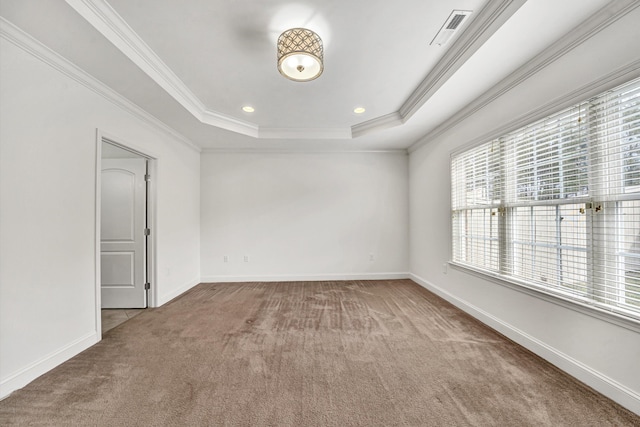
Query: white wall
{"points": [[47, 213], [304, 216], [603, 354]]}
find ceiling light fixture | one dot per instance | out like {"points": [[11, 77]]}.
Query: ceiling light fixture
{"points": [[359, 110], [300, 55], [248, 109]]}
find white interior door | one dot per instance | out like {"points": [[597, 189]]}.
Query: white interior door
{"points": [[122, 230]]}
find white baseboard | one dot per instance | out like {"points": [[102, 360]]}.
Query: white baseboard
{"points": [[305, 277], [46, 363], [594, 379], [177, 292]]}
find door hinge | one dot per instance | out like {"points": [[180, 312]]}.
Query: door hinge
{"points": [[147, 177], [147, 231], [147, 286]]}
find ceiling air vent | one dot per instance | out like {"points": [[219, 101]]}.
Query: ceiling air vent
{"points": [[451, 25]]}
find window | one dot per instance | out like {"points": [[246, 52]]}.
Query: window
{"points": [[555, 205]]}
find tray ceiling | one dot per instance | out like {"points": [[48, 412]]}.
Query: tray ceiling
{"points": [[195, 64]]}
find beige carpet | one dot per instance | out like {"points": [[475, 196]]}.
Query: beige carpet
{"points": [[359, 353]]}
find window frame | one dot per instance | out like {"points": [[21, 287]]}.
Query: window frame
{"points": [[505, 250]]}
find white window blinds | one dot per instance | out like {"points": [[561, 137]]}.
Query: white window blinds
{"points": [[555, 205]]}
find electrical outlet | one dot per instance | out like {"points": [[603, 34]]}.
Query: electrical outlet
{"points": [[246, 258], [372, 257], [445, 266], [225, 258]]}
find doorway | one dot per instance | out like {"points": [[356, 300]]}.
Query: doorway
{"points": [[124, 252]]}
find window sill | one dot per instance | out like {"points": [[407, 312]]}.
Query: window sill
{"points": [[614, 318]]}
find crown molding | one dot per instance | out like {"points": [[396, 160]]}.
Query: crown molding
{"points": [[377, 124], [113, 27], [606, 16], [300, 150], [304, 133], [24, 41], [488, 20], [615, 78], [229, 123]]}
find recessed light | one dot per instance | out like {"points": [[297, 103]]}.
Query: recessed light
{"points": [[359, 110], [248, 109]]}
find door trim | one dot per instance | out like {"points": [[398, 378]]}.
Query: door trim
{"points": [[152, 297]]}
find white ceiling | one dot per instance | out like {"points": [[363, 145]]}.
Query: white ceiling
{"points": [[194, 64]]}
